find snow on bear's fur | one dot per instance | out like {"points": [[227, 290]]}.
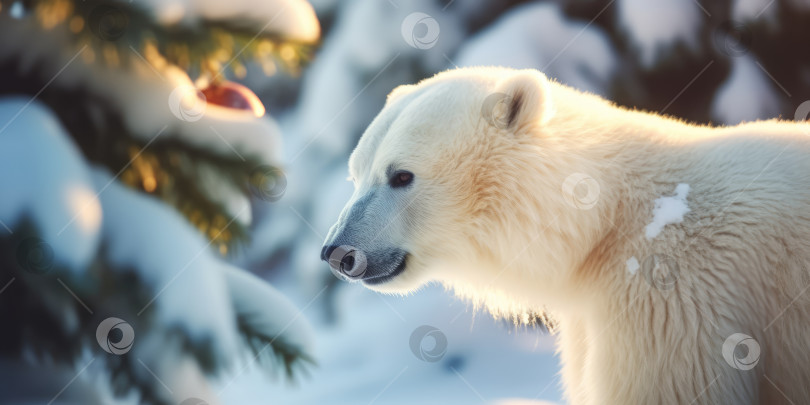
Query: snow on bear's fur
{"points": [[672, 256]]}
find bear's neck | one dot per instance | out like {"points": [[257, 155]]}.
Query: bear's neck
{"points": [[592, 187]]}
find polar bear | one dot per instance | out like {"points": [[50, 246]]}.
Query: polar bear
{"points": [[672, 256]]}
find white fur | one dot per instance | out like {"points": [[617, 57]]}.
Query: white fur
{"points": [[486, 217]]}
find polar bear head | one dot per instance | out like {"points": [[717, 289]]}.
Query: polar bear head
{"points": [[452, 184]]}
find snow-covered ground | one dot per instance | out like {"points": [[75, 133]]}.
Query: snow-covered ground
{"points": [[367, 357]]}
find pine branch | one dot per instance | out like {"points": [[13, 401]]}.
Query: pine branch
{"points": [[272, 354], [55, 314], [111, 28], [169, 168], [271, 327]]}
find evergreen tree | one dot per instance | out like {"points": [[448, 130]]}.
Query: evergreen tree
{"points": [[125, 185]]}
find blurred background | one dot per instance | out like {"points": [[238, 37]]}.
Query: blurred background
{"points": [[140, 192]]}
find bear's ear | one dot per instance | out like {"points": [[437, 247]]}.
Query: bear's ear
{"points": [[520, 100]]}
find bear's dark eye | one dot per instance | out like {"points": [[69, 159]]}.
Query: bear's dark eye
{"points": [[401, 179]]}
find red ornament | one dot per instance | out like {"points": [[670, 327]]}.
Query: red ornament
{"points": [[233, 95]]}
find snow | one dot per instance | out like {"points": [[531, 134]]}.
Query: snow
{"points": [[654, 27], [293, 19], [540, 37], [45, 179], [668, 210], [367, 357], [632, 266], [748, 94], [187, 280]]}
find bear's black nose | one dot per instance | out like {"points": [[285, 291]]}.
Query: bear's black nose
{"points": [[345, 260]]}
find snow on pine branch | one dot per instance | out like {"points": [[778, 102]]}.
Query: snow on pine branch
{"points": [[126, 255], [144, 236], [208, 299], [143, 93], [165, 279], [292, 19], [45, 180], [273, 328], [149, 100]]}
